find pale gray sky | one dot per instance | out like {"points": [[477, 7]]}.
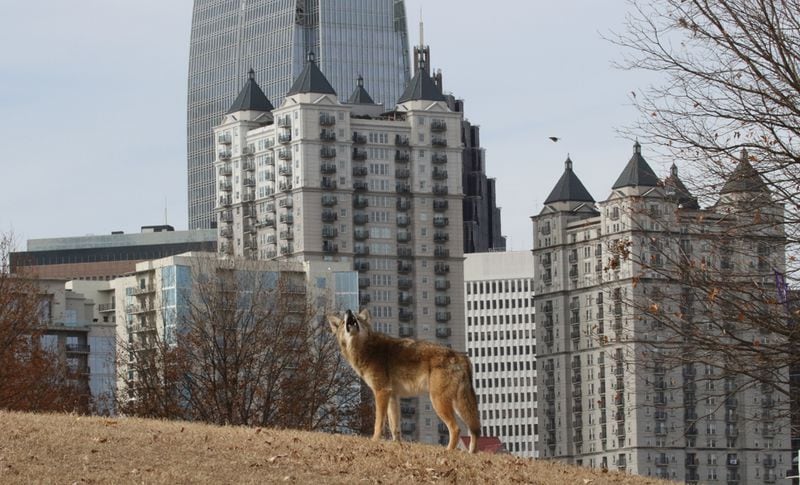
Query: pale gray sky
{"points": [[93, 103]]}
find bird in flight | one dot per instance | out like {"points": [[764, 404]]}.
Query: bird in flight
{"points": [[554, 139]]}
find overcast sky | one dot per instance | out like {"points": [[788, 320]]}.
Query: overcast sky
{"points": [[93, 103]]}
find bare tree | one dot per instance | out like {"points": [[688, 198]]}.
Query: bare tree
{"points": [[32, 378], [250, 349]]}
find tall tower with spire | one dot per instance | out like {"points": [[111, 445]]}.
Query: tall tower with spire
{"points": [[228, 37]]}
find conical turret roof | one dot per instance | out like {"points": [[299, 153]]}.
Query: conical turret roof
{"points": [[421, 87], [251, 97], [744, 178], [360, 95], [637, 172], [677, 190], [569, 188], [311, 80]]}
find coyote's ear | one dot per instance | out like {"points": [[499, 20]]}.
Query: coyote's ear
{"points": [[364, 316], [334, 322]]}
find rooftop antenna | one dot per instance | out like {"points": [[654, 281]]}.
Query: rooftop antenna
{"points": [[165, 212], [421, 29]]}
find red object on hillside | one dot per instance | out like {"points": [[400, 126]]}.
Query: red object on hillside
{"points": [[486, 444]]}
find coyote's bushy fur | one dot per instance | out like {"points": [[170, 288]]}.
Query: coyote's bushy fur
{"points": [[395, 368]]}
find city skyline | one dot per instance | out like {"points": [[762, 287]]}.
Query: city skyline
{"points": [[117, 160]]}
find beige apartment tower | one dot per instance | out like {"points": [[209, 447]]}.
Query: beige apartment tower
{"points": [[315, 179], [608, 398]]}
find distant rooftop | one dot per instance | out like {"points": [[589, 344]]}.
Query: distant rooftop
{"points": [[150, 235]]}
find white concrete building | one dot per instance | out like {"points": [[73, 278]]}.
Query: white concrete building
{"points": [[501, 343], [609, 398], [316, 179]]}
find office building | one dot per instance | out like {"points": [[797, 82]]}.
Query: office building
{"points": [[611, 394], [228, 37], [107, 256], [316, 179], [501, 344]]}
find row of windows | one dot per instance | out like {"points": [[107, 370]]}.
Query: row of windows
{"points": [[500, 304], [495, 335], [499, 319], [484, 287], [507, 413]]}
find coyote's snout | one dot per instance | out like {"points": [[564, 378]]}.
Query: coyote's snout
{"points": [[395, 368]]}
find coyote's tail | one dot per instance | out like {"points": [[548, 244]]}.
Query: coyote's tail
{"points": [[467, 406]]}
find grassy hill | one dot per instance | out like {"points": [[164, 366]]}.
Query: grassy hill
{"points": [[72, 449]]}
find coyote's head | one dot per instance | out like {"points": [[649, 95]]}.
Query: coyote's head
{"points": [[351, 328]]}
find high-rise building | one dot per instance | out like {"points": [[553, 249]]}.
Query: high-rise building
{"points": [[228, 37], [105, 257], [619, 388], [321, 180], [498, 289]]}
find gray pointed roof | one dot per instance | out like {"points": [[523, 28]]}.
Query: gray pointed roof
{"points": [[677, 190], [251, 97], [421, 87], [311, 80], [569, 188], [744, 178], [637, 172], [360, 95]]}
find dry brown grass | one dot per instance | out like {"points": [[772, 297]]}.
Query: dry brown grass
{"points": [[72, 449]]}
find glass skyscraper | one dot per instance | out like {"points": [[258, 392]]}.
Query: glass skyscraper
{"points": [[349, 37]]}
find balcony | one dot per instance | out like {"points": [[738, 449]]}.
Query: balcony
{"points": [[285, 137], [404, 267], [360, 219], [226, 216], [442, 285], [359, 154], [440, 221], [402, 173], [326, 119], [287, 219], [403, 204], [248, 165], [404, 299], [439, 189], [327, 152], [364, 299], [443, 332], [284, 154], [439, 158], [443, 317], [364, 282], [401, 141], [403, 220], [405, 315], [77, 348], [359, 139], [249, 182], [401, 156], [360, 234], [360, 171], [442, 300], [330, 247], [402, 188], [406, 332], [360, 186], [287, 249], [438, 126], [404, 283], [225, 187], [329, 232], [329, 216], [360, 202], [224, 200], [285, 186], [405, 252], [361, 265], [327, 168], [440, 205], [327, 135], [441, 252], [224, 139], [224, 154], [438, 141], [441, 269], [361, 250], [225, 170], [287, 235], [328, 183]]}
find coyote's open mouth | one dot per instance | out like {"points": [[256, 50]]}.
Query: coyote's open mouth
{"points": [[350, 320]]}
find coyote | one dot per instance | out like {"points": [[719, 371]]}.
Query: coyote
{"points": [[395, 368]]}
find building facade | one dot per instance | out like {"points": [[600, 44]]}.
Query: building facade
{"points": [[320, 180], [617, 388], [501, 343], [108, 256], [228, 37]]}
